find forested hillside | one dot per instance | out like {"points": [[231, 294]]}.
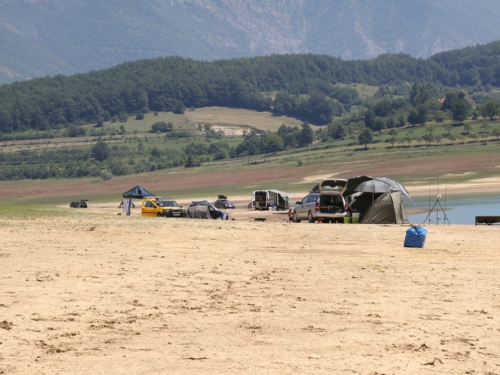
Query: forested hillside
{"points": [[40, 38], [174, 84], [79, 126]]}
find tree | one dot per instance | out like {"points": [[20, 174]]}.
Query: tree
{"points": [[140, 148], [123, 116], [428, 138], [451, 137], [100, 151], [413, 118], [490, 109], [252, 145], [450, 98], [192, 162], [496, 133], [365, 137], [306, 135], [75, 131], [106, 175], [422, 113], [379, 124], [219, 150], [401, 121], [273, 143], [409, 139], [420, 93], [162, 127], [429, 129], [196, 149], [448, 128], [370, 119], [393, 139], [460, 109]]}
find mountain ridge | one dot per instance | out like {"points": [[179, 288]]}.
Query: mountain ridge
{"points": [[39, 38]]}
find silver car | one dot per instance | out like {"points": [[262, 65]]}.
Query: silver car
{"points": [[327, 205]]}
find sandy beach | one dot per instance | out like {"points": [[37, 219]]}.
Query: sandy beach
{"points": [[101, 293]]}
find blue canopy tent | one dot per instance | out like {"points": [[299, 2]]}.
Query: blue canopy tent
{"points": [[137, 192]]}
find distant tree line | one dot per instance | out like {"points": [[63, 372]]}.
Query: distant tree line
{"points": [[117, 160], [106, 161], [305, 86], [423, 105]]}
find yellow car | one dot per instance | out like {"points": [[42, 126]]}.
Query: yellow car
{"points": [[166, 207]]}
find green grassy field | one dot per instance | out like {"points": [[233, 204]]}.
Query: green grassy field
{"points": [[295, 171]]}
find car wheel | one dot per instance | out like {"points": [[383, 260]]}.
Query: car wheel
{"points": [[310, 217], [294, 218], [158, 215]]}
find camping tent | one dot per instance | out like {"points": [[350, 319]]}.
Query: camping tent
{"points": [[377, 200], [137, 192], [385, 208], [353, 184]]}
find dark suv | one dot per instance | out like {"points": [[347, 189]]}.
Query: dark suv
{"points": [[223, 202], [327, 205]]}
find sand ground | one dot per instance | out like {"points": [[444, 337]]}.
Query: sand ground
{"points": [[101, 293]]}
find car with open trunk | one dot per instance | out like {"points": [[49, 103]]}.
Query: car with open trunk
{"points": [[326, 205]]}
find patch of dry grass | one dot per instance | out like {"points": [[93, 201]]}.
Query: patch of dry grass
{"points": [[241, 117]]}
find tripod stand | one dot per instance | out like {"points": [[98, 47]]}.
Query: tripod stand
{"points": [[438, 205]]}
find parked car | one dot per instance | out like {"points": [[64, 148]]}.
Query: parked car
{"points": [[223, 202], [82, 203], [327, 205], [205, 210], [157, 206]]}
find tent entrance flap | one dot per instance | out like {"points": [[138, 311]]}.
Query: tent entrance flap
{"points": [[386, 209]]}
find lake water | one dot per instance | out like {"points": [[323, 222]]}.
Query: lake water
{"points": [[461, 210]]}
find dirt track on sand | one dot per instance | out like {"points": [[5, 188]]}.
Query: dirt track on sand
{"points": [[101, 293]]}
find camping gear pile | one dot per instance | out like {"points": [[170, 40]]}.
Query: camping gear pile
{"points": [[205, 210]]}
